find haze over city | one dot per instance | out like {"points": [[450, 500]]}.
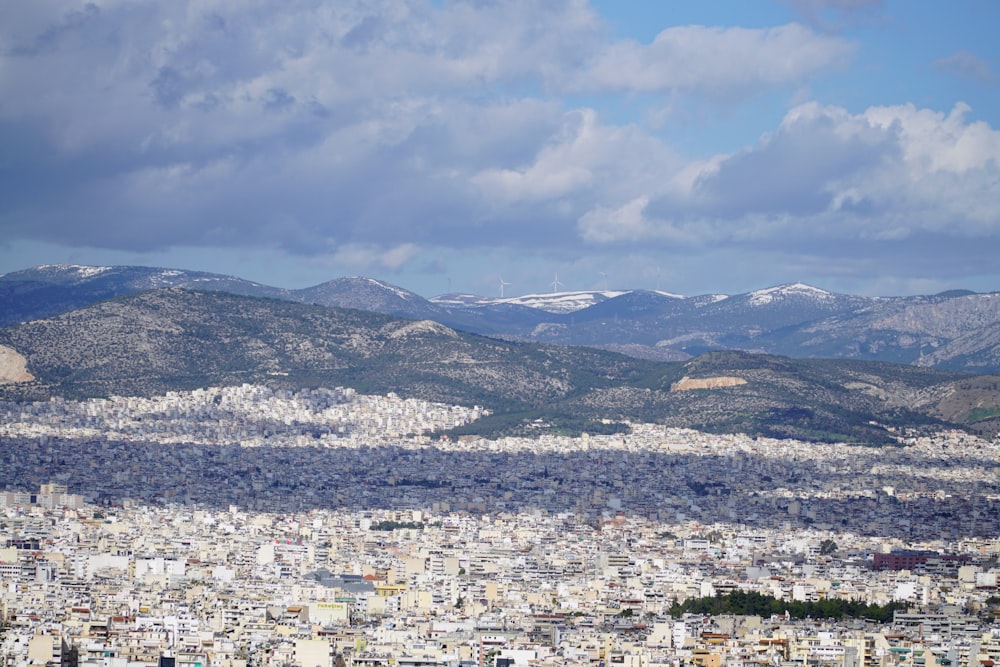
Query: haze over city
{"points": [[444, 146]]}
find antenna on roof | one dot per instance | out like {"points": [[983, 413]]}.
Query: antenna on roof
{"points": [[502, 283], [556, 284]]}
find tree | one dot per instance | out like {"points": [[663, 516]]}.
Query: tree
{"points": [[827, 547]]}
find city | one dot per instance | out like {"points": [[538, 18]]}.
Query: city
{"points": [[243, 526], [467, 333]]}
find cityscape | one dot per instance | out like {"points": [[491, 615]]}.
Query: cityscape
{"points": [[521, 333], [235, 526]]}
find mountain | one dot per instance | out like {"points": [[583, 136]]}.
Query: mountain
{"points": [[55, 288], [368, 294], [160, 340], [555, 302], [956, 330], [173, 338]]}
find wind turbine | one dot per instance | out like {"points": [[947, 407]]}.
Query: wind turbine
{"points": [[502, 283], [604, 274], [556, 284]]}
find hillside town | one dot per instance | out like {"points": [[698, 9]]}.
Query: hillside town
{"points": [[243, 526]]}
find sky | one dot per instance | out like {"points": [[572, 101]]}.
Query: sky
{"points": [[443, 146]]}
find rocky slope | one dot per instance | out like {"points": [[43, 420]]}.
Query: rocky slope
{"points": [[170, 339], [955, 330]]}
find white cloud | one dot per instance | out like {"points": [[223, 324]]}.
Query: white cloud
{"points": [[934, 142], [585, 159], [607, 225], [355, 119], [561, 167], [217, 72], [373, 258], [378, 132], [888, 173], [715, 61]]}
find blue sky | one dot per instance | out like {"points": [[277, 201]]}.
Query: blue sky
{"points": [[692, 146]]}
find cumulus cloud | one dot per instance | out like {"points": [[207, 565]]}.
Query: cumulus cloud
{"points": [[583, 157], [885, 174], [308, 126], [717, 62], [381, 133], [369, 257], [144, 125], [608, 225]]}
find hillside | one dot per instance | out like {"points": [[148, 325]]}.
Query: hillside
{"points": [[174, 338], [956, 330], [168, 339]]}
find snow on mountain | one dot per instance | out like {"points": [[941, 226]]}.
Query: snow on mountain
{"points": [[63, 272], [460, 300], [563, 302], [568, 302], [81, 271], [398, 291], [765, 296], [669, 295], [124, 277], [364, 293], [552, 302]]}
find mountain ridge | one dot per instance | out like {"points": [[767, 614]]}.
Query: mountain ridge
{"points": [[171, 339], [955, 329]]}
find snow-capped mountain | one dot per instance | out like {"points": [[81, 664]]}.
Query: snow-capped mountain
{"points": [[124, 279], [69, 274], [551, 302], [363, 293], [957, 329], [54, 288], [763, 297]]}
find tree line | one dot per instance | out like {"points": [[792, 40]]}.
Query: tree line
{"points": [[750, 603]]}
